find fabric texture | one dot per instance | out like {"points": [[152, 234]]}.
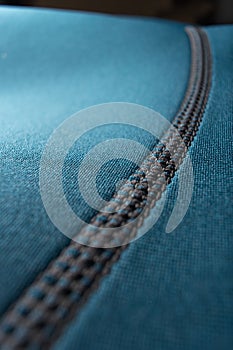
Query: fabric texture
{"points": [[53, 64], [168, 291], [174, 291]]}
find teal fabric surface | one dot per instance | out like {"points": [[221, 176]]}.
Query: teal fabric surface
{"points": [[53, 64], [174, 291]]}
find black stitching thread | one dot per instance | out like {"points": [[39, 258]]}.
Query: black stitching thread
{"points": [[39, 315]]}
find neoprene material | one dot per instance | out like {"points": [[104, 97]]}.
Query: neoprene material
{"points": [[167, 291], [174, 291], [53, 64]]}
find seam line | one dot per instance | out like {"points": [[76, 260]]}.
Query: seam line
{"points": [[38, 317]]}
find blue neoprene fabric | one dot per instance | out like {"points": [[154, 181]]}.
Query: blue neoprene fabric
{"points": [[53, 64], [168, 291], [174, 291]]}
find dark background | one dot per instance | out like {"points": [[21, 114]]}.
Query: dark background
{"points": [[195, 11]]}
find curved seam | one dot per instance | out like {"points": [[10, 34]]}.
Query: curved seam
{"points": [[38, 316]]}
